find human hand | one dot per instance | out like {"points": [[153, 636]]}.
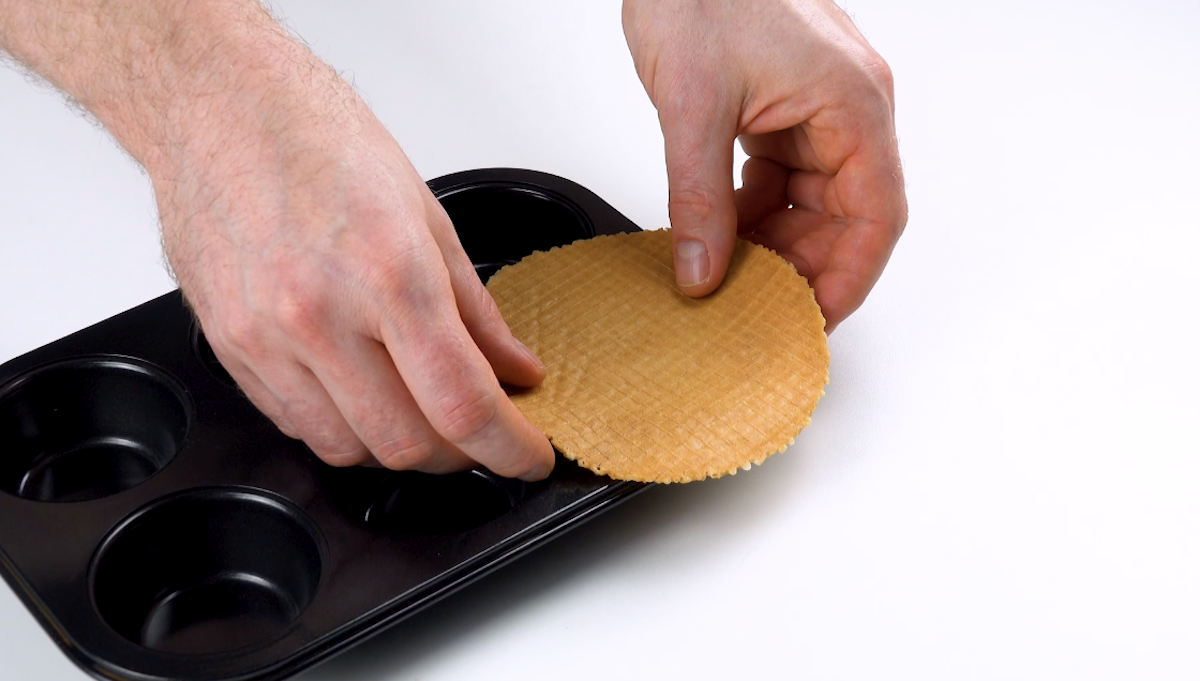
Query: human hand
{"points": [[327, 278], [810, 102], [331, 285]]}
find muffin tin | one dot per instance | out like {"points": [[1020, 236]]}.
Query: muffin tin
{"points": [[160, 527]]}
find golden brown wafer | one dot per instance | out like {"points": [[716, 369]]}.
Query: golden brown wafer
{"points": [[644, 383]]}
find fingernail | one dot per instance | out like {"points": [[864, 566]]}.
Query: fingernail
{"points": [[529, 353], [691, 263]]}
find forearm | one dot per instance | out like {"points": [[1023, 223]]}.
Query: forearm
{"points": [[158, 73]]}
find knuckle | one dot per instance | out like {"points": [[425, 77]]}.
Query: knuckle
{"points": [[414, 300], [329, 442], [685, 91], [405, 453], [234, 333], [483, 305], [335, 451], [382, 280], [686, 205], [341, 458], [901, 222], [872, 74], [272, 410], [284, 425], [466, 415], [879, 72], [300, 311]]}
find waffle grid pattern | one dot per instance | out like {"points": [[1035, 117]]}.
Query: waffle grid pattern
{"points": [[646, 384]]}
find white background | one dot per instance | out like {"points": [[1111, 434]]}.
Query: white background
{"points": [[1003, 480]]}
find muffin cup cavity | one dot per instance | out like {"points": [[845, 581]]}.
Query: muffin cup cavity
{"points": [[420, 503], [201, 543], [207, 571], [204, 352], [88, 428], [498, 224]]}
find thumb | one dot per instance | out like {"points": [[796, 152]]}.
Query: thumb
{"points": [[699, 149]]}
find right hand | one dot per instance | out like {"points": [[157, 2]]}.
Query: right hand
{"points": [[332, 286]]}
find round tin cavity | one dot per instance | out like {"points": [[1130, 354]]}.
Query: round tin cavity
{"points": [[207, 571], [208, 357], [421, 503], [500, 223], [87, 428]]}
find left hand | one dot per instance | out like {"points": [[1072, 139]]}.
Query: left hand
{"points": [[811, 103]]}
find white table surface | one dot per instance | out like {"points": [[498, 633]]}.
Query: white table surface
{"points": [[1003, 480]]}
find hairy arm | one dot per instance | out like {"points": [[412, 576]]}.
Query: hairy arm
{"points": [[142, 68], [325, 275]]}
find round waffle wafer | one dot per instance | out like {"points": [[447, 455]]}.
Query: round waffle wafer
{"points": [[644, 383]]}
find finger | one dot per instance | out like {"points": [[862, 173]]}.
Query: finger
{"points": [[800, 236], [790, 147], [806, 189], [865, 195], [764, 191], [513, 362], [255, 391], [291, 396], [868, 190], [854, 264], [367, 390], [699, 153], [283, 389], [454, 386], [842, 258], [869, 185]]}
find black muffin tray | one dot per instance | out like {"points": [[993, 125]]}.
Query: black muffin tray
{"points": [[160, 527]]}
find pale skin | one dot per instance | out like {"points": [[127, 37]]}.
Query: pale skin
{"points": [[330, 282]]}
